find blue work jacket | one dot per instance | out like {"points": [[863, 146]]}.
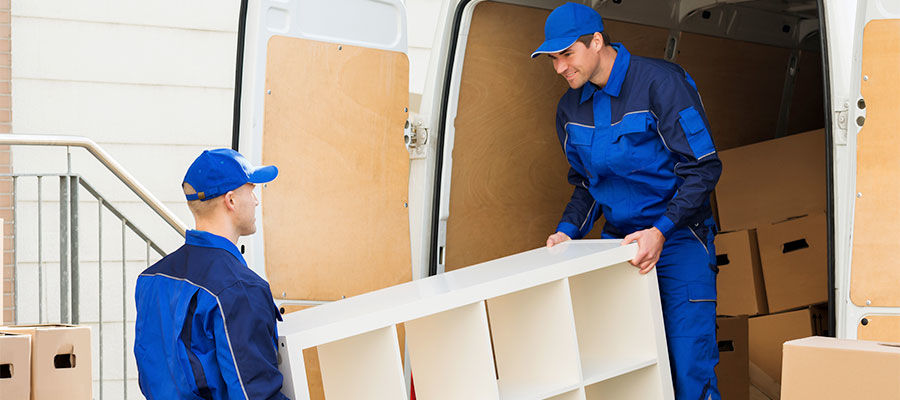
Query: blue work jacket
{"points": [[206, 325], [639, 150]]}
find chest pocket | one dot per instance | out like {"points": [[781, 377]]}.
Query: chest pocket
{"points": [[635, 145], [580, 139]]}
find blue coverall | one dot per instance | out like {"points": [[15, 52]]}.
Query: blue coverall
{"points": [[641, 154], [206, 325]]}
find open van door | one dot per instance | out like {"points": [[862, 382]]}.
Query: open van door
{"points": [[868, 285], [322, 93], [324, 96]]}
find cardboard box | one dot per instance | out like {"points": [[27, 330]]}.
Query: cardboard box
{"points": [[15, 366], [733, 369], [794, 262], [829, 368], [739, 285], [767, 334], [772, 181], [60, 361]]}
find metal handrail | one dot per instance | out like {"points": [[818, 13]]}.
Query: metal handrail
{"points": [[111, 164]]}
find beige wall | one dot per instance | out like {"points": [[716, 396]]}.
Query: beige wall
{"points": [[6, 187]]}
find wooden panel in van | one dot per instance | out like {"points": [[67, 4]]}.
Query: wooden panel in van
{"points": [[740, 84], [336, 222], [876, 226], [881, 328], [508, 181]]}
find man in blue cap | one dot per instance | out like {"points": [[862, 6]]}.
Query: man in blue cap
{"points": [[205, 322], [639, 149]]}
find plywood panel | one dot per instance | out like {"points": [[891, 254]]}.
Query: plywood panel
{"points": [[740, 84], [509, 173], [876, 227], [335, 219], [881, 328]]}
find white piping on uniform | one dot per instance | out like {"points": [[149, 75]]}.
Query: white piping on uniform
{"points": [[660, 133], [707, 154], [626, 114], [224, 325], [588, 216], [698, 239], [577, 124]]}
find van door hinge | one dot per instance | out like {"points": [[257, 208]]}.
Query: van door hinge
{"points": [[841, 115], [415, 136]]}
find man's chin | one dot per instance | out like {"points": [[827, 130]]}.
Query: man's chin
{"points": [[575, 85]]}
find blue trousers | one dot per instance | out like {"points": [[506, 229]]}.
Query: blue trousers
{"points": [[686, 272]]}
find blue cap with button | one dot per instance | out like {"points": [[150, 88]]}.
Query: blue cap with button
{"points": [[565, 25], [216, 172]]}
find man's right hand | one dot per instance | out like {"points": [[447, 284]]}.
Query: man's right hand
{"points": [[557, 238]]}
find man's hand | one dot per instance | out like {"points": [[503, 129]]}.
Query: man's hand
{"points": [[557, 238], [650, 244]]}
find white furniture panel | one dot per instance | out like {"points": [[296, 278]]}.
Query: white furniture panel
{"points": [[364, 366], [543, 314], [535, 342], [577, 394], [638, 385], [452, 347], [615, 317]]}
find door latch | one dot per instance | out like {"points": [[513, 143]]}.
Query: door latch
{"points": [[415, 137]]}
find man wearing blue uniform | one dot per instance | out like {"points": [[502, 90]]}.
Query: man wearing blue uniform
{"points": [[205, 322], [639, 149]]}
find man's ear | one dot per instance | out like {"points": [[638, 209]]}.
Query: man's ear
{"points": [[598, 40], [228, 198]]}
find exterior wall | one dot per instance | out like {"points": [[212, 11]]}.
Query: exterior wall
{"points": [[152, 84], [6, 189]]}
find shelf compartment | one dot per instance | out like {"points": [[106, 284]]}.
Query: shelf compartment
{"points": [[600, 373], [535, 344], [641, 384], [450, 355], [365, 366], [615, 319], [577, 394]]}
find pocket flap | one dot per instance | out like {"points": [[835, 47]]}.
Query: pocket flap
{"points": [[631, 123], [701, 292], [691, 121], [580, 135]]}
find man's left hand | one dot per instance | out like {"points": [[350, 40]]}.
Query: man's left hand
{"points": [[650, 244]]}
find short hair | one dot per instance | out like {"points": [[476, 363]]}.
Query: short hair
{"points": [[586, 39], [197, 207]]}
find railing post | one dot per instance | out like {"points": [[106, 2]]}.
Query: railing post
{"points": [[64, 249], [100, 287], [124, 319], [73, 232], [15, 253], [40, 256]]}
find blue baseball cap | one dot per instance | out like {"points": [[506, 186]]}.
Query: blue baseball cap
{"points": [[216, 172], [565, 25]]}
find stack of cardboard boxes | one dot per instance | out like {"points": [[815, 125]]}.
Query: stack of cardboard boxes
{"points": [[772, 257], [45, 362]]}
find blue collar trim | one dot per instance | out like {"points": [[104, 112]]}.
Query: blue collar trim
{"points": [[616, 76], [206, 239]]}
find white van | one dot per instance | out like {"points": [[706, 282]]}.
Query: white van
{"points": [[371, 195]]}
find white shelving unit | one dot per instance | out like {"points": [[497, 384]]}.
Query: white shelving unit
{"points": [[575, 322]]}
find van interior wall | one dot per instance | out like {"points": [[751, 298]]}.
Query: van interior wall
{"points": [[508, 183]]}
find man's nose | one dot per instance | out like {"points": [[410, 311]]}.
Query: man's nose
{"points": [[560, 66]]}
